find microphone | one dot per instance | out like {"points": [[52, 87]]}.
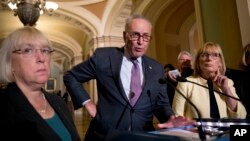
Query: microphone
{"points": [[182, 79], [150, 99], [201, 130], [121, 116]]}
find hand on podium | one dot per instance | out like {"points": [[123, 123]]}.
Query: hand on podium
{"points": [[176, 121]]}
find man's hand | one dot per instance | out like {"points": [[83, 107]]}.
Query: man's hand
{"points": [[91, 108], [173, 74], [175, 121]]}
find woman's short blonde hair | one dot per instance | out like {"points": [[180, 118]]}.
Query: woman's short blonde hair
{"points": [[26, 34], [209, 47]]}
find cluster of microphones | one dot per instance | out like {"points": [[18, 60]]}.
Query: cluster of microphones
{"points": [[201, 130]]}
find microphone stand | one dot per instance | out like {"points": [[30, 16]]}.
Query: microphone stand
{"points": [[121, 116], [201, 131], [182, 79]]}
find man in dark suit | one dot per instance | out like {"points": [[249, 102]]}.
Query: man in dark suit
{"points": [[241, 79], [111, 67], [241, 84], [184, 69]]}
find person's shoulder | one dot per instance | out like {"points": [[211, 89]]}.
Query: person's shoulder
{"points": [[3, 88], [196, 79], [232, 70], [105, 52], [53, 97], [2, 92], [108, 49], [150, 60], [4, 96], [152, 64], [235, 74]]}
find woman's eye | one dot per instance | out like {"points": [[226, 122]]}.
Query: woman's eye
{"points": [[27, 50]]}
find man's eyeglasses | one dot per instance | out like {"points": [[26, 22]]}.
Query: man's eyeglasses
{"points": [[31, 51], [185, 60], [212, 55], [135, 36]]}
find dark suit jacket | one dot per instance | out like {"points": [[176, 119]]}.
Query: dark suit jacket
{"points": [[241, 79], [113, 108], [20, 121], [171, 85]]}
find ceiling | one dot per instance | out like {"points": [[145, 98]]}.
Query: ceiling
{"points": [[73, 26], [79, 26]]}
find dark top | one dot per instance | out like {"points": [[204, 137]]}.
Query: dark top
{"points": [[20, 121], [113, 108], [187, 73], [241, 79], [56, 123], [171, 85]]}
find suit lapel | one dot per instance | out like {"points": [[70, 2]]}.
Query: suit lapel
{"points": [[147, 71], [116, 62]]}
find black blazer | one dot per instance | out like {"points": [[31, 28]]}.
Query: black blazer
{"points": [[241, 79], [20, 121], [113, 108]]}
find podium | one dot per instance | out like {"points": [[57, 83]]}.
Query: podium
{"points": [[146, 136], [215, 130], [141, 136]]}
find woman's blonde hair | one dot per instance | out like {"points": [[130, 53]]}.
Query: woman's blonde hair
{"points": [[209, 47], [26, 34]]}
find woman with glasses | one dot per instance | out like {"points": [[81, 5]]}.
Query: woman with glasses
{"points": [[209, 71], [27, 111]]}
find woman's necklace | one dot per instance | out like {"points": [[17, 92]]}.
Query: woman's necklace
{"points": [[45, 105]]}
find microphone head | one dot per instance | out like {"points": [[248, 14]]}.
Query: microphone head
{"points": [[181, 79], [162, 81]]}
